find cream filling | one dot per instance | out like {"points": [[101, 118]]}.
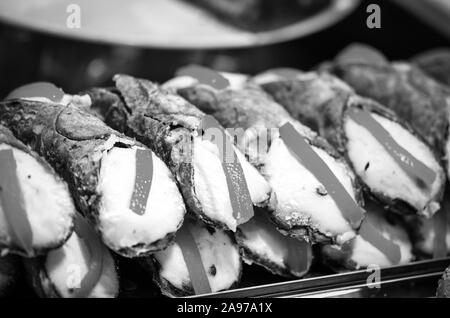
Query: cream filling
{"points": [[266, 78], [265, 241], [211, 185], [236, 81], [66, 99], [215, 249], [296, 189], [68, 265], [180, 82], [268, 244], [384, 174], [365, 254], [48, 204], [119, 225]]}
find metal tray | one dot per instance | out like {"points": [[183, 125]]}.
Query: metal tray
{"points": [[418, 279]]}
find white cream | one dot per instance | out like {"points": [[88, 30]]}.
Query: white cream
{"points": [[69, 264], [384, 174], [180, 82], [266, 78], [235, 81], [48, 204], [66, 99], [365, 254], [262, 239], [120, 226], [211, 185], [215, 249], [268, 244], [296, 190]]}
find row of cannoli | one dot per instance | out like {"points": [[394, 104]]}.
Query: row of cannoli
{"points": [[417, 90], [107, 171], [264, 166], [302, 210]]}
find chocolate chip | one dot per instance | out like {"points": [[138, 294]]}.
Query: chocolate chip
{"points": [[421, 184], [29, 176], [321, 190], [367, 166], [212, 270], [211, 230]]}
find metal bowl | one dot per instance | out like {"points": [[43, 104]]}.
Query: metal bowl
{"points": [[163, 24]]}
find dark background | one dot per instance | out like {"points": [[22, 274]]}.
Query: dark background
{"points": [[74, 65]]}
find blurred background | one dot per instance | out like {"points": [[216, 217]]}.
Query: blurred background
{"points": [[35, 43]]}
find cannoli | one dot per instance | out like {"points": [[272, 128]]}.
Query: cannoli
{"points": [[120, 186], [171, 126], [405, 89], [262, 244], [304, 208], [443, 290], [394, 163], [36, 208], [82, 268], [436, 64], [431, 237], [361, 253], [202, 260]]}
